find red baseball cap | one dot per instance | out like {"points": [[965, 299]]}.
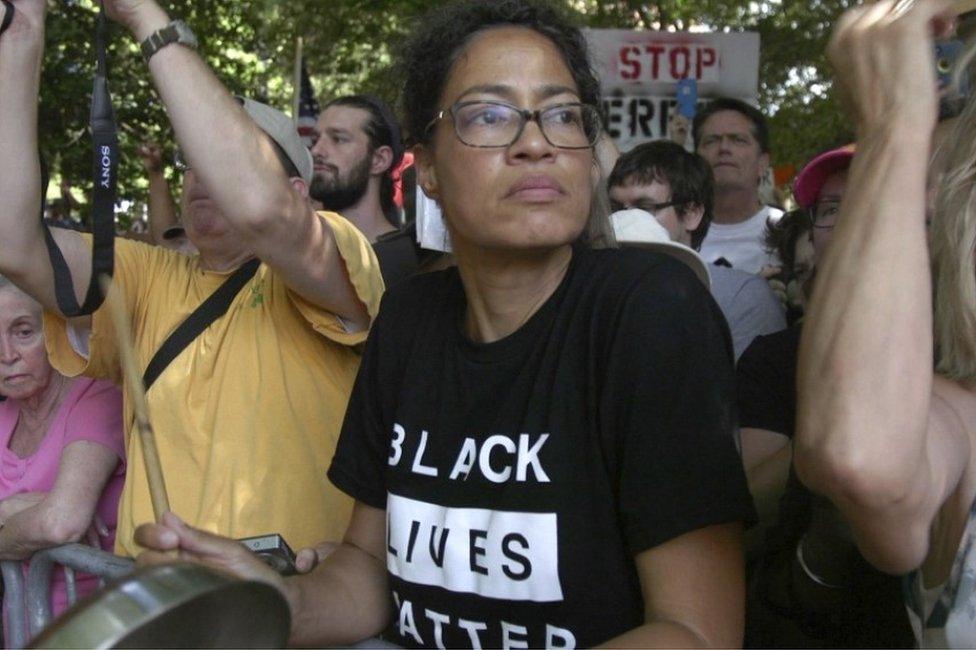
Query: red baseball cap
{"points": [[806, 187]]}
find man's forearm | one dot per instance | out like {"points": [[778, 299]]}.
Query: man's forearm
{"points": [[344, 600], [162, 209], [20, 185], [225, 148]]}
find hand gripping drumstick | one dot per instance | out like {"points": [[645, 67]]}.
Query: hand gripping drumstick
{"points": [[130, 371]]}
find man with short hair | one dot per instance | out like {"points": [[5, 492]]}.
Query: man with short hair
{"points": [[247, 415], [676, 187], [357, 149], [734, 138]]}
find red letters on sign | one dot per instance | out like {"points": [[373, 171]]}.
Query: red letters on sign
{"points": [[679, 62], [655, 52], [706, 59], [668, 62], [634, 63]]}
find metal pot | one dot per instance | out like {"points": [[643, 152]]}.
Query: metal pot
{"points": [[179, 605]]}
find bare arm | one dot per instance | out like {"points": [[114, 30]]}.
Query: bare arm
{"points": [[767, 457], [344, 600], [694, 592], [23, 255], [870, 436], [162, 208], [237, 164], [65, 513]]}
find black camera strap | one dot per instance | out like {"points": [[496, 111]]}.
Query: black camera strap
{"points": [[215, 306], [8, 15], [105, 163]]}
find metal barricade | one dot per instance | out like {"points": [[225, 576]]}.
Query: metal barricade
{"points": [[29, 600]]}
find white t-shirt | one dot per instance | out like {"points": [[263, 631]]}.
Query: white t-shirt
{"points": [[742, 243]]}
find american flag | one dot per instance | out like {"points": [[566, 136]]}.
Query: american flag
{"points": [[308, 109]]}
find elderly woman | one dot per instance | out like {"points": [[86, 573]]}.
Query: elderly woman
{"points": [[890, 440], [61, 449], [539, 441]]}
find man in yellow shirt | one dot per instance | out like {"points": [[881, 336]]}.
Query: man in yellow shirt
{"points": [[247, 416]]}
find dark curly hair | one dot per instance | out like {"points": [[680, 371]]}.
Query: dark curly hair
{"points": [[781, 237], [441, 36]]}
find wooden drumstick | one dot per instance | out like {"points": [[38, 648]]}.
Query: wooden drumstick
{"points": [[133, 378]]}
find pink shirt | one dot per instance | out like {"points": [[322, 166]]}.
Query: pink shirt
{"points": [[91, 411]]}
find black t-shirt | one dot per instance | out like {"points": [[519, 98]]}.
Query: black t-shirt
{"points": [[397, 256], [766, 382], [521, 477]]}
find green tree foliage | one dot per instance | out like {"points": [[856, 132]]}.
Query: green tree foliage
{"points": [[349, 44], [794, 77]]}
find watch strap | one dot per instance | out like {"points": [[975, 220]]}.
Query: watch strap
{"points": [[175, 32]]}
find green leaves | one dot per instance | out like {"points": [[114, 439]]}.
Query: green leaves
{"points": [[349, 46]]}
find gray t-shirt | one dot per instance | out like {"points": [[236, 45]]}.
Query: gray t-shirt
{"points": [[749, 305]]}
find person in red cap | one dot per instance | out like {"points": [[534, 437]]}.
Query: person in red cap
{"points": [[818, 189], [810, 587]]}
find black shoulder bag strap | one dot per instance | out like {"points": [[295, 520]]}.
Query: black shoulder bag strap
{"points": [[215, 306], [105, 144]]}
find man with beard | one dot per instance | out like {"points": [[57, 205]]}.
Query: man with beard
{"points": [[357, 149]]}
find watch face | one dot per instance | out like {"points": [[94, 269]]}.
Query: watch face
{"points": [[185, 34]]}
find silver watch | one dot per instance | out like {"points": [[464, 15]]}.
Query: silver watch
{"points": [[176, 32]]}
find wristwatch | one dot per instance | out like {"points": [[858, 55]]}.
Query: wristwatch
{"points": [[176, 32]]}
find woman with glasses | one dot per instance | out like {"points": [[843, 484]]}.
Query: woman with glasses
{"points": [[540, 441]]}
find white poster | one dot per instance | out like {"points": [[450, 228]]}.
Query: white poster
{"points": [[639, 72]]}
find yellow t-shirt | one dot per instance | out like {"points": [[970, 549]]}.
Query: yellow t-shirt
{"points": [[247, 416]]}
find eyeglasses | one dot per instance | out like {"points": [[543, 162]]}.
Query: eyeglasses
{"points": [[179, 162], [824, 214], [652, 208], [490, 124]]}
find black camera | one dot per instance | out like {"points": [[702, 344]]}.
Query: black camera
{"points": [[274, 550]]}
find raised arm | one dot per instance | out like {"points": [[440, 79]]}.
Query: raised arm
{"points": [[871, 436], [162, 208], [23, 255], [237, 164], [65, 513]]}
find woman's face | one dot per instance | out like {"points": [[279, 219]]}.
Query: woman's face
{"points": [[24, 368], [529, 195]]}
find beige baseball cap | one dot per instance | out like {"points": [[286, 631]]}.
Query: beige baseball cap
{"points": [[639, 229], [282, 130]]}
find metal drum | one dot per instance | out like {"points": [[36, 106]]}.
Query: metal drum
{"points": [[179, 605]]}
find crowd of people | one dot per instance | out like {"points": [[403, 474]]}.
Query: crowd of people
{"points": [[635, 407]]}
